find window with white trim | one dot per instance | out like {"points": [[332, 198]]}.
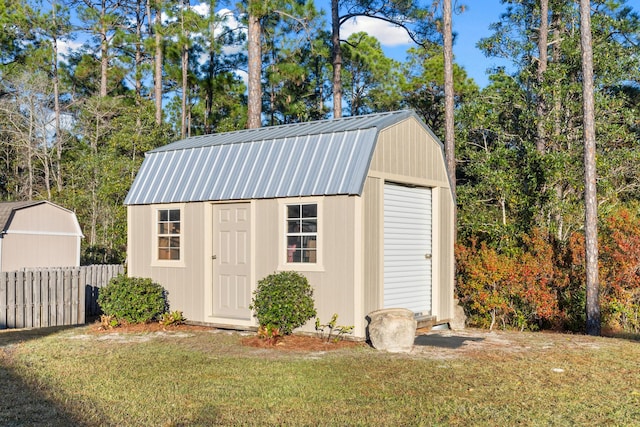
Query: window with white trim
{"points": [[302, 233], [169, 234]]}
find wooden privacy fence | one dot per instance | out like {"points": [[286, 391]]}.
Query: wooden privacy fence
{"points": [[52, 297]]}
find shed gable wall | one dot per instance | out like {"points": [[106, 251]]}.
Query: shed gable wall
{"points": [[40, 236], [406, 150], [44, 218]]}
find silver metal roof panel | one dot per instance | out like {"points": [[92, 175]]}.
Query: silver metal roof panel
{"points": [[327, 157]]}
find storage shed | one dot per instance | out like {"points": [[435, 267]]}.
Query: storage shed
{"points": [[38, 234], [361, 206]]}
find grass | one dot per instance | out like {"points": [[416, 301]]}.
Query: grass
{"points": [[73, 377]]}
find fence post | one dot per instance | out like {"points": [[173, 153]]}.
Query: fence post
{"points": [[28, 300], [4, 284], [57, 298], [67, 298], [37, 298], [82, 295], [19, 300]]}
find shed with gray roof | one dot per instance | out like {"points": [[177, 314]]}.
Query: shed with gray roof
{"points": [[38, 234], [361, 206]]}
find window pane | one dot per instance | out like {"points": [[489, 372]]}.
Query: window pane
{"points": [[309, 256], [163, 228], [174, 227], [294, 244], [175, 242], [309, 211], [293, 226], [163, 253], [163, 242], [293, 211], [163, 215], [309, 226], [175, 253], [294, 241], [309, 242], [297, 256], [174, 215]]}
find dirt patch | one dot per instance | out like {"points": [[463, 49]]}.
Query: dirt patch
{"points": [[299, 343], [479, 343], [139, 328], [143, 332]]}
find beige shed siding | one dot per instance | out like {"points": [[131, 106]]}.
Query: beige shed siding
{"points": [[31, 250], [334, 284], [408, 153], [373, 255], [184, 282], [446, 261]]}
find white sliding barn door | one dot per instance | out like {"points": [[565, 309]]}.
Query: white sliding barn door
{"points": [[407, 248]]}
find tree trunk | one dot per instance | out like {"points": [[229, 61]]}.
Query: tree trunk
{"points": [[254, 53], [185, 70], [590, 195], [56, 101], [157, 81], [336, 60], [543, 33], [555, 56], [449, 129], [104, 51], [138, 54]]}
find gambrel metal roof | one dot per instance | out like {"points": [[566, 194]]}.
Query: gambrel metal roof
{"points": [[326, 157]]}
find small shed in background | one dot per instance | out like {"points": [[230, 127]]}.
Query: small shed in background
{"points": [[361, 206], [38, 234]]}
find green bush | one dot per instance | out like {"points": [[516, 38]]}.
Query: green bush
{"points": [[132, 299], [283, 301]]}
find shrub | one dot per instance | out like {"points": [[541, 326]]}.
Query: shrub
{"points": [[332, 332], [132, 299], [517, 289], [283, 301], [173, 318]]}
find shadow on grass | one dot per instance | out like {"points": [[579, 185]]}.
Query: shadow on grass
{"points": [[23, 403], [629, 336], [434, 340], [10, 337]]}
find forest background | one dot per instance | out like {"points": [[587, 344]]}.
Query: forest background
{"points": [[74, 126]]}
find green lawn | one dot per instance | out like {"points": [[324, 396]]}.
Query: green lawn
{"points": [[71, 376]]}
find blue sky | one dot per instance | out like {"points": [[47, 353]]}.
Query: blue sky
{"points": [[470, 26]]}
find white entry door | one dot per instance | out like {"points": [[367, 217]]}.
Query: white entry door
{"points": [[407, 248], [231, 288]]}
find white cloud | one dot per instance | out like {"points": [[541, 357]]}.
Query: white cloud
{"points": [[201, 9], [67, 47], [388, 34]]}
